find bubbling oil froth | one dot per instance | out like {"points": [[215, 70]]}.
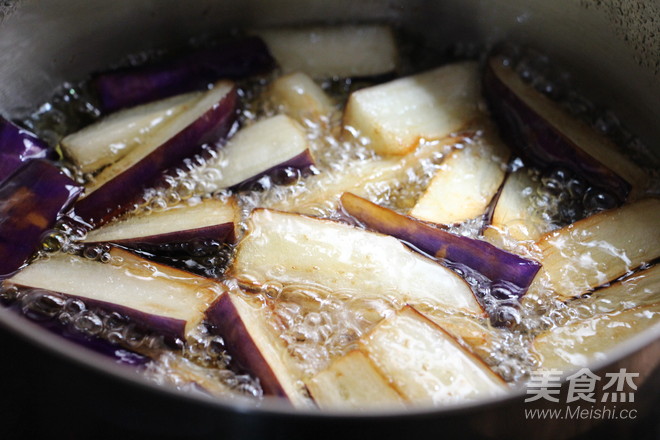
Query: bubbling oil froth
{"points": [[319, 326]]}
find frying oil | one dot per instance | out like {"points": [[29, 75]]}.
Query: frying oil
{"points": [[316, 325]]}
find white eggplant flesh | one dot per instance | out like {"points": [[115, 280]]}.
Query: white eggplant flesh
{"points": [[269, 144], [353, 383], [581, 343], [211, 218], [639, 289], [191, 111], [337, 51], [425, 364], [369, 179], [601, 248], [301, 98], [514, 215], [161, 298], [112, 137], [474, 333], [465, 184], [399, 115]]}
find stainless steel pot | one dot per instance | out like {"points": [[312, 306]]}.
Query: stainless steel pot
{"points": [[611, 46]]}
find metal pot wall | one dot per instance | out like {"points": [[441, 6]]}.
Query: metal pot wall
{"points": [[611, 46]]}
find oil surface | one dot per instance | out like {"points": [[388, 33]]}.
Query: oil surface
{"points": [[318, 326]]}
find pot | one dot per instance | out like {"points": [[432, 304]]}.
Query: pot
{"points": [[611, 47]]}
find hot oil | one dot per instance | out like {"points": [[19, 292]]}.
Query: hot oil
{"points": [[316, 325], [319, 325]]}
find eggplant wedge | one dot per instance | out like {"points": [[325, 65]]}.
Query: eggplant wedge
{"points": [[301, 98], [399, 115], [406, 359], [594, 251], [260, 149], [353, 382], [120, 185], [322, 52], [578, 344], [193, 71], [466, 183], [292, 248], [424, 363], [210, 219], [157, 297], [548, 136], [514, 214], [31, 200], [252, 340], [114, 136], [639, 289]]}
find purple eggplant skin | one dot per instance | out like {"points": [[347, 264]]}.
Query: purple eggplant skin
{"points": [[227, 322], [171, 329], [540, 143], [18, 146], [117, 195], [302, 163], [31, 200], [492, 262], [114, 352], [117, 353], [137, 85]]}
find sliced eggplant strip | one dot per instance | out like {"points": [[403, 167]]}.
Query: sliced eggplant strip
{"points": [[252, 340], [159, 298], [31, 200], [424, 364], [261, 149], [640, 289], [291, 248], [353, 382], [473, 333], [601, 248], [337, 51], [301, 98], [550, 137], [399, 115], [193, 71], [209, 219], [483, 257], [514, 214], [171, 368], [121, 184], [466, 183], [112, 137], [579, 344], [17, 146]]}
